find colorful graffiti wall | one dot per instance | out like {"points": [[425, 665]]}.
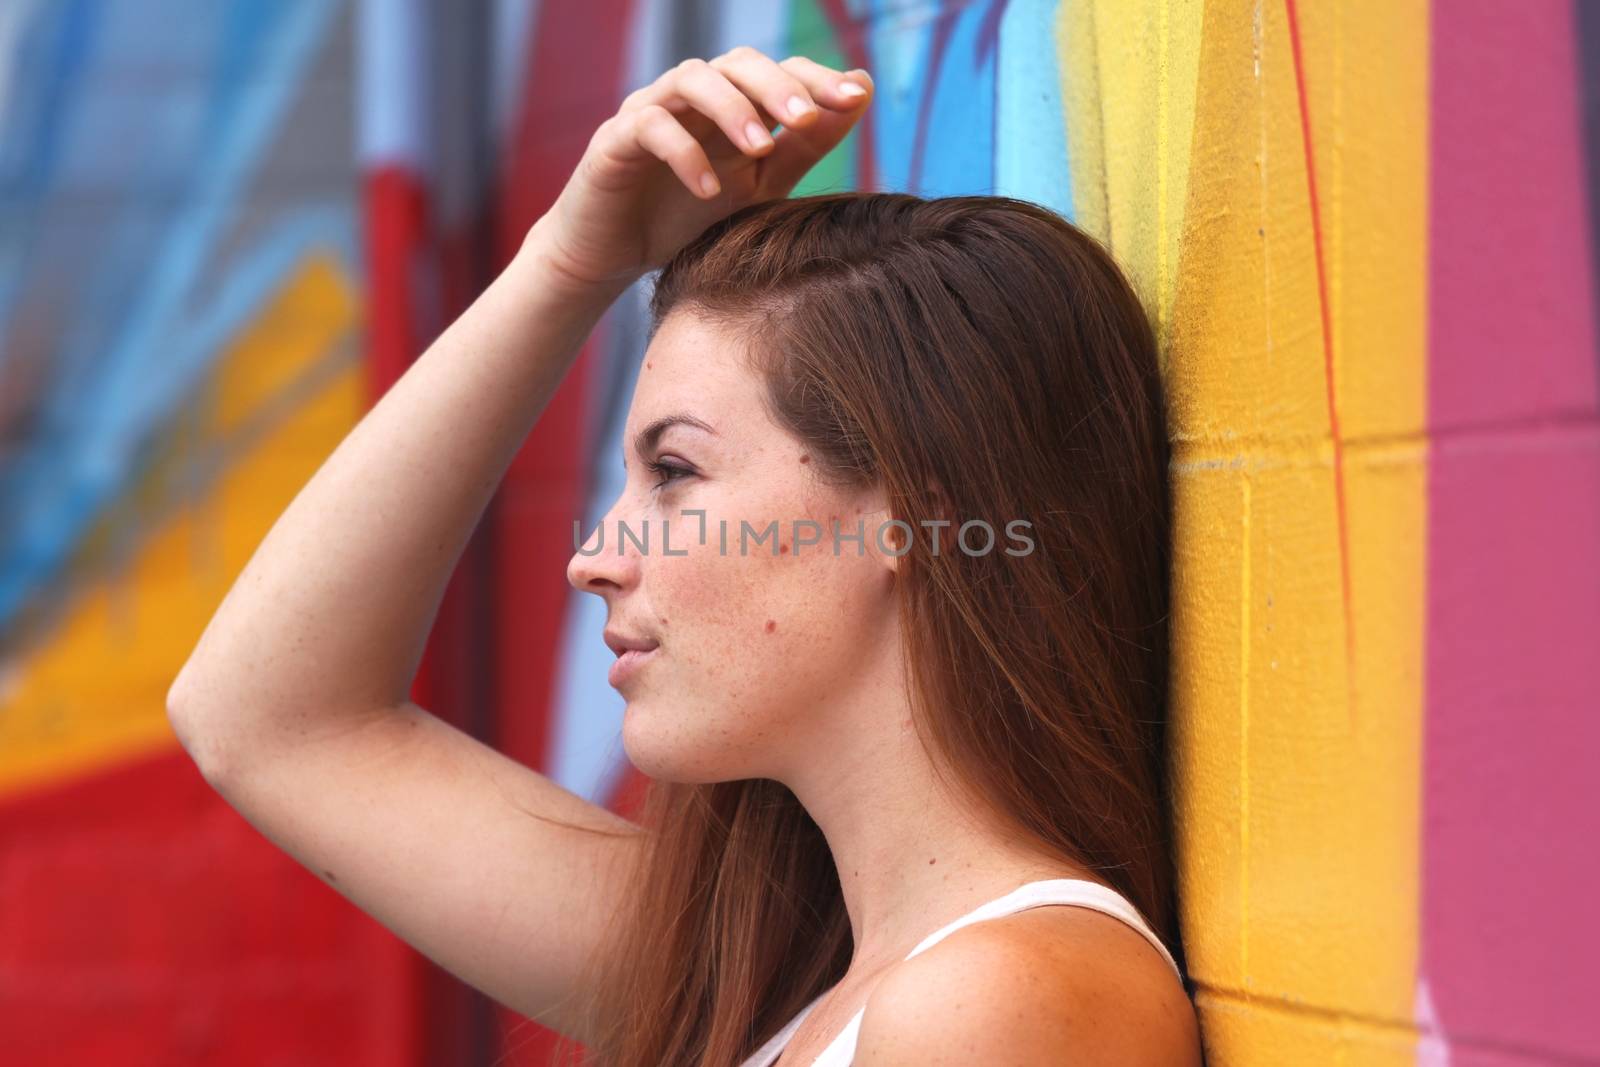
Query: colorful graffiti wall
{"points": [[1366, 232]]}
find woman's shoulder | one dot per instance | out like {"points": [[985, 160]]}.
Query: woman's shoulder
{"points": [[1046, 984]]}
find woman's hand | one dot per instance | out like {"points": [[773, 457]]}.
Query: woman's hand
{"points": [[637, 195]]}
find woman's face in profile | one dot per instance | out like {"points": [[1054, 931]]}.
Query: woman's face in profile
{"points": [[762, 640]]}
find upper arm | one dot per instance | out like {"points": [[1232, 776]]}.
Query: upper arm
{"points": [[432, 833], [1032, 989]]}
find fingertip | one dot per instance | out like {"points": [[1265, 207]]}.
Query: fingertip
{"points": [[855, 86]]}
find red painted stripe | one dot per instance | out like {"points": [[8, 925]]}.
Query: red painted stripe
{"points": [[544, 490], [398, 243], [409, 292], [850, 36], [1327, 365]]}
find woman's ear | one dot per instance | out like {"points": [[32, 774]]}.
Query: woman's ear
{"points": [[891, 537], [884, 539]]}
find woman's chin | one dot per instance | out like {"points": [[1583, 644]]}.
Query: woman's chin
{"points": [[642, 740], [659, 751]]}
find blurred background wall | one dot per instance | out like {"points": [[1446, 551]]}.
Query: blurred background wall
{"points": [[1366, 231]]}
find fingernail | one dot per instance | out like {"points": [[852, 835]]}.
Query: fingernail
{"points": [[797, 106], [708, 183], [756, 134], [851, 89]]}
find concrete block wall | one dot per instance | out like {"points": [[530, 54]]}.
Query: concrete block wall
{"points": [[1366, 233]]}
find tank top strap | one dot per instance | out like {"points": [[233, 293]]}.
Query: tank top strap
{"points": [[1074, 891], [1077, 891]]}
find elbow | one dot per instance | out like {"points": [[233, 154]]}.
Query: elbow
{"points": [[187, 726]]}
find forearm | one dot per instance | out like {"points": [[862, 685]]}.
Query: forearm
{"points": [[330, 615]]}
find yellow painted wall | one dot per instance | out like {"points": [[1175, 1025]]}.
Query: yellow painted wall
{"points": [[1297, 685]]}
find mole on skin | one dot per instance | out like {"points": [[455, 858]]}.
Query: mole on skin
{"points": [[771, 626]]}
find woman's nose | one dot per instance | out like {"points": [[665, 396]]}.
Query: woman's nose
{"points": [[596, 565]]}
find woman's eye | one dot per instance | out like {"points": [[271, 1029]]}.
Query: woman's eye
{"points": [[667, 472]]}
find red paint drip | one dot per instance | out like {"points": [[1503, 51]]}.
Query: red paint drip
{"points": [[847, 34], [1327, 362]]}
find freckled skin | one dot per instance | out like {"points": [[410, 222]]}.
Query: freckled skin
{"points": [[729, 694]]}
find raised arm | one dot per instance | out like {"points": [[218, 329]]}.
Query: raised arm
{"points": [[293, 703]]}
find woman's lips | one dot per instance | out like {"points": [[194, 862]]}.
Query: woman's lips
{"points": [[628, 664]]}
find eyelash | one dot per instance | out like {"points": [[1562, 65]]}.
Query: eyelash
{"points": [[667, 472]]}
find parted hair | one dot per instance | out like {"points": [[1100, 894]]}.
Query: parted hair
{"points": [[975, 356]]}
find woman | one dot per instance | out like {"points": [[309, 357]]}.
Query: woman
{"points": [[878, 752]]}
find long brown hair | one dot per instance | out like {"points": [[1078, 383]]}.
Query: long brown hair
{"points": [[978, 357]]}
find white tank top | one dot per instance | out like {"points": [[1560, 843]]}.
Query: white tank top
{"points": [[1075, 891]]}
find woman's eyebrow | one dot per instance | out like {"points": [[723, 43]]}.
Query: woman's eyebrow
{"points": [[645, 440]]}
